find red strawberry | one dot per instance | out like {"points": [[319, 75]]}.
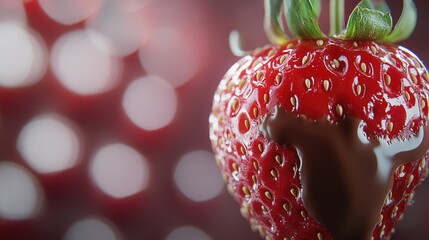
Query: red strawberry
{"points": [[324, 138]]}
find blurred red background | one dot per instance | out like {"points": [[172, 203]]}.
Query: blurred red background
{"points": [[104, 110]]}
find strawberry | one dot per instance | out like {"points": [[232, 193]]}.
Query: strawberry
{"points": [[324, 137]]}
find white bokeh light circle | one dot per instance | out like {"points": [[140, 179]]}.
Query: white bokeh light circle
{"points": [[49, 143], [119, 170], [150, 102], [197, 176], [12, 10], [167, 54], [92, 228], [126, 29], [82, 61], [23, 56], [21, 195], [188, 233], [69, 12], [133, 5]]}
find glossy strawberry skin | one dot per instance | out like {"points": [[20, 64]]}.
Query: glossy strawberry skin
{"points": [[384, 86]]}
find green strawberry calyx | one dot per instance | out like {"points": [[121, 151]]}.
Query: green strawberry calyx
{"points": [[370, 21]]}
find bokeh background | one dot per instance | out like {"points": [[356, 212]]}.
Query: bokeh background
{"points": [[103, 118]]}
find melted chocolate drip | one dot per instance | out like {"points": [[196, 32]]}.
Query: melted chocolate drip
{"points": [[345, 176]]}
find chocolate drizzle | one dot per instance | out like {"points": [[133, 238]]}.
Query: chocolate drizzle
{"points": [[345, 176]]}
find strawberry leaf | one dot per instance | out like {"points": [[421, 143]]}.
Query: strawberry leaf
{"points": [[367, 24], [406, 23], [272, 22], [235, 44], [317, 6], [302, 19], [379, 5]]}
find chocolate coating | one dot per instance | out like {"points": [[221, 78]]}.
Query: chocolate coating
{"points": [[345, 176]]}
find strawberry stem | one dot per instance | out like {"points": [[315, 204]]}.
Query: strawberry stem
{"points": [[336, 17]]}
